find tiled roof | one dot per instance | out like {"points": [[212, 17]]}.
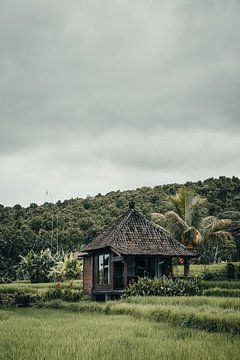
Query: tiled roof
{"points": [[133, 234]]}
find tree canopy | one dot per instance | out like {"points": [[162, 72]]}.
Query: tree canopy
{"points": [[69, 224]]}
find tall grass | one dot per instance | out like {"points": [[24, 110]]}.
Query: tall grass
{"points": [[33, 289], [222, 292], [224, 317], [59, 335], [222, 284], [197, 302]]}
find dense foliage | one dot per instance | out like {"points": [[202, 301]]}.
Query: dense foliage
{"points": [[66, 293], [69, 267], [36, 267], [45, 266], [69, 224], [188, 220], [163, 287]]}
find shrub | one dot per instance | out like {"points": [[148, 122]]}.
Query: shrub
{"points": [[164, 287], [66, 293], [5, 279], [230, 271], [16, 299]]}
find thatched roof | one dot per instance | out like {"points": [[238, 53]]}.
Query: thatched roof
{"points": [[133, 234]]}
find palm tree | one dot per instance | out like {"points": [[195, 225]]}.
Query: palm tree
{"points": [[188, 221], [234, 215]]}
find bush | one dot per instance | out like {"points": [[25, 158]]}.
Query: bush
{"points": [[164, 287], [66, 293], [230, 271], [5, 279], [16, 299]]}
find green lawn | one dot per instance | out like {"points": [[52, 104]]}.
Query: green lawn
{"points": [[199, 269], [39, 288], [40, 334]]}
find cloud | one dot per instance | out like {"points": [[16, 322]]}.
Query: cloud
{"points": [[144, 92]]}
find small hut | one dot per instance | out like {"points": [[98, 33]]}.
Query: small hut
{"points": [[132, 247]]}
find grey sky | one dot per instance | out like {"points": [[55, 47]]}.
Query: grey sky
{"points": [[104, 95]]}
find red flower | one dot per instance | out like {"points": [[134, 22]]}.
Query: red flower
{"points": [[58, 285]]}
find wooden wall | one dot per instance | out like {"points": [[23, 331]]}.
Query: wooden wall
{"points": [[87, 274]]}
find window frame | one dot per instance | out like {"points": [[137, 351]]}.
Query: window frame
{"points": [[103, 268]]}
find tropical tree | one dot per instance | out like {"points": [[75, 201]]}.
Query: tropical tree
{"points": [[235, 229], [36, 266], [188, 221], [67, 268]]}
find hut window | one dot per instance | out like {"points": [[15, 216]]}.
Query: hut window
{"points": [[103, 269]]}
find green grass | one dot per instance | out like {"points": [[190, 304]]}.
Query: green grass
{"points": [[199, 269], [39, 334], [203, 313], [198, 302], [222, 292], [220, 284], [34, 289]]}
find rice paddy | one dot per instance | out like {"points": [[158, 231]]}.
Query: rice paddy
{"points": [[135, 328], [43, 334]]}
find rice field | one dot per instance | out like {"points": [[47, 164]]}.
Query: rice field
{"points": [[199, 269], [43, 334], [189, 327], [34, 289]]}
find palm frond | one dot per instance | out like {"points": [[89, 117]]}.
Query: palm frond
{"points": [[159, 219], [175, 224], [192, 235], [222, 235], [196, 210], [233, 215], [177, 202]]}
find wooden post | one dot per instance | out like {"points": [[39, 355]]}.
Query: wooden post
{"points": [[125, 274], [107, 297], [186, 267], [170, 267]]}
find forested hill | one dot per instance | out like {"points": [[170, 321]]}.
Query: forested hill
{"points": [[73, 222]]}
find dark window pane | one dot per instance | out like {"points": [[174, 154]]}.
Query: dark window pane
{"points": [[100, 269], [106, 269], [106, 260], [103, 269]]}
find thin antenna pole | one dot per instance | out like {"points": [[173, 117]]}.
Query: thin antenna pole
{"points": [[51, 241], [52, 234], [57, 233]]}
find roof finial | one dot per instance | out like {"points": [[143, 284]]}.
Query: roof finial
{"points": [[131, 204]]}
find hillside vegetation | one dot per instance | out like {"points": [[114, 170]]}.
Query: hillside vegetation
{"points": [[67, 225]]}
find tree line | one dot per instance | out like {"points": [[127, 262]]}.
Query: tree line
{"points": [[68, 225]]}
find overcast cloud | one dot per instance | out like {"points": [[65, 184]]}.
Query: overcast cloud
{"points": [[104, 95]]}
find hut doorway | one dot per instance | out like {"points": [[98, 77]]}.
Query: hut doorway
{"points": [[118, 275]]}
